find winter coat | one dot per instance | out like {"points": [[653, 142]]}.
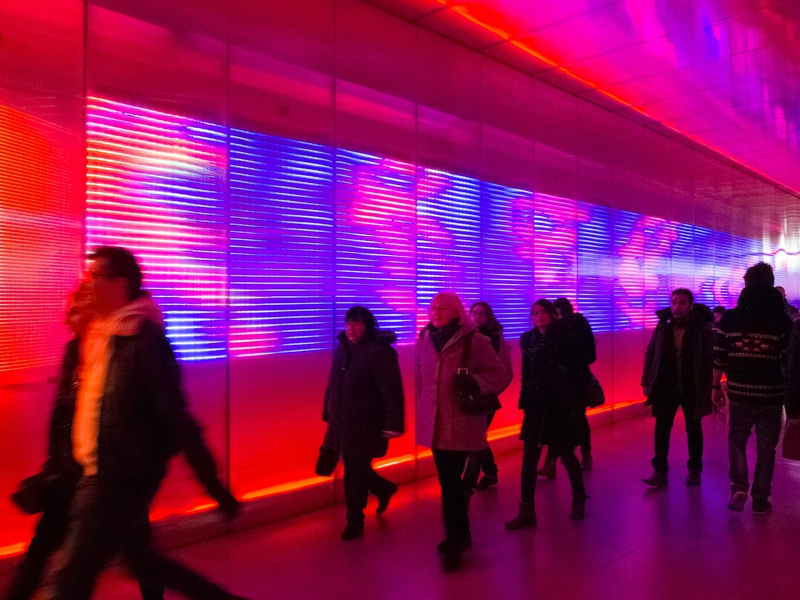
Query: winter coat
{"points": [[364, 397], [659, 382], [751, 344], [551, 395], [440, 422], [581, 332], [143, 417]]}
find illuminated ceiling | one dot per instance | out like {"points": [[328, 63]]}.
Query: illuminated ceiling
{"points": [[723, 73]]}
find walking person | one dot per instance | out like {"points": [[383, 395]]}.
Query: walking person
{"points": [[483, 319], [551, 402], [442, 425], [364, 408], [581, 332], [123, 417], [677, 374], [750, 350]]}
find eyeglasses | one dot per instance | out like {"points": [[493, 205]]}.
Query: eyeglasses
{"points": [[93, 276]]}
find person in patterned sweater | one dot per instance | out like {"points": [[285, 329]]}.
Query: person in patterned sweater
{"points": [[750, 349]]}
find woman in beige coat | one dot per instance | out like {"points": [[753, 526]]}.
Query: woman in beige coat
{"points": [[441, 424]]}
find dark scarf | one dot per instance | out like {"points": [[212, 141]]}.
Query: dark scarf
{"points": [[441, 335], [536, 342]]}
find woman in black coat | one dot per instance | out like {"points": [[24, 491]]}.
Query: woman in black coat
{"points": [[581, 332], [550, 400], [363, 408]]}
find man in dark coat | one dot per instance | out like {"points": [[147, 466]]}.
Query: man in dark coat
{"points": [[750, 350], [121, 417], [677, 374], [364, 408]]}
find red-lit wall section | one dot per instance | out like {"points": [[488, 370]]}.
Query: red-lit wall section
{"points": [[269, 174]]}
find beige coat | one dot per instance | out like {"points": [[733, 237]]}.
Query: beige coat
{"points": [[440, 422]]}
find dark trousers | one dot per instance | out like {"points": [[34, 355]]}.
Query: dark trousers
{"points": [[48, 537], [480, 460], [767, 422], [360, 479], [665, 417], [449, 466], [584, 433], [530, 458], [110, 519]]}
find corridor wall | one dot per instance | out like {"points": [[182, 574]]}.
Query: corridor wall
{"points": [[273, 163]]}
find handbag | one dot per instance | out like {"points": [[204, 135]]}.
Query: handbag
{"points": [[791, 440], [35, 493], [593, 392], [469, 392], [326, 462]]}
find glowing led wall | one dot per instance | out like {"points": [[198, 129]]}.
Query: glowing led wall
{"points": [[273, 163], [305, 222]]}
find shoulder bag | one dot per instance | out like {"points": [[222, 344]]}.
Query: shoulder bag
{"points": [[469, 392]]}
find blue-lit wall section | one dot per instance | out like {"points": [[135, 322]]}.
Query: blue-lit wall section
{"points": [[268, 261], [156, 184], [376, 240], [281, 245]]}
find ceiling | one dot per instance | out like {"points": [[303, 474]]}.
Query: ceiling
{"points": [[723, 73]]}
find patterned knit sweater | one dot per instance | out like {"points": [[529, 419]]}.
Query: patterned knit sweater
{"points": [[751, 346]]}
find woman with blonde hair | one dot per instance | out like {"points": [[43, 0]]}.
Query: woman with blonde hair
{"points": [[442, 425]]}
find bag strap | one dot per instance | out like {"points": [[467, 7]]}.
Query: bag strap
{"points": [[464, 368]]}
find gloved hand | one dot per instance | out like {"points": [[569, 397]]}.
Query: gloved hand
{"points": [[466, 385]]}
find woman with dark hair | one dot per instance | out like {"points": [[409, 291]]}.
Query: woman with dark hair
{"points": [[364, 408], [579, 329], [442, 425], [483, 319], [551, 366]]}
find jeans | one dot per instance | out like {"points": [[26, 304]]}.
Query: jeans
{"points": [[480, 460], [50, 533], [110, 519], [449, 466], [665, 417], [359, 480], [767, 421]]}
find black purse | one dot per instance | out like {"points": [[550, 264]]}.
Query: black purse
{"points": [[593, 392], [326, 462], [469, 392], [36, 493]]}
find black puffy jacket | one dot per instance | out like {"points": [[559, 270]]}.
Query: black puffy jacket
{"points": [[364, 397]]}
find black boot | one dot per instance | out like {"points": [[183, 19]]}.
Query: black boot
{"points": [[578, 506], [549, 467], [525, 518]]}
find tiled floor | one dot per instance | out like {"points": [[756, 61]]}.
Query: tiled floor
{"points": [[636, 543]]}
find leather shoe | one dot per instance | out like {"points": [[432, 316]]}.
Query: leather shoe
{"points": [[454, 544], [486, 481], [656, 479], [353, 531], [383, 499]]}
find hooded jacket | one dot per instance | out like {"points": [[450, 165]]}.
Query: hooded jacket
{"points": [[364, 396], [751, 345], [143, 419], [659, 376]]}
